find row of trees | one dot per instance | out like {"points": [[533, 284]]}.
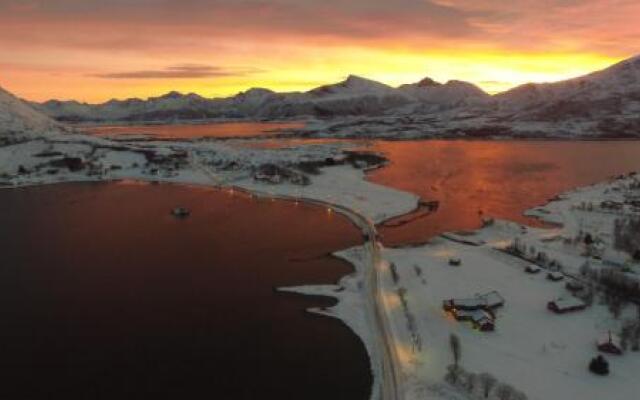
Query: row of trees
{"points": [[630, 335], [416, 339], [520, 249], [619, 288], [481, 386], [484, 385], [626, 236]]}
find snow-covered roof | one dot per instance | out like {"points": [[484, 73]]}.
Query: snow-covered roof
{"points": [[492, 299], [471, 302], [568, 302], [609, 338], [477, 316]]}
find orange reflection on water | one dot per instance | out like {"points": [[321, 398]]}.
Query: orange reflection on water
{"points": [[476, 179], [184, 131]]}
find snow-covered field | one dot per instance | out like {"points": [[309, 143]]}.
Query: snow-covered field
{"points": [[540, 353]]}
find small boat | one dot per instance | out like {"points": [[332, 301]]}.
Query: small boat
{"points": [[180, 212]]}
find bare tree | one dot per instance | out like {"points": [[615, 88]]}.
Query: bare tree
{"points": [[470, 382], [454, 343], [615, 306], [626, 334], [453, 373], [487, 383], [585, 269], [518, 395], [587, 296], [635, 339], [505, 392], [394, 273]]}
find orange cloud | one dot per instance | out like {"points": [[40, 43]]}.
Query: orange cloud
{"points": [[65, 48]]}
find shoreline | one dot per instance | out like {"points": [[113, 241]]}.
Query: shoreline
{"points": [[346, 190], [347, 291]]}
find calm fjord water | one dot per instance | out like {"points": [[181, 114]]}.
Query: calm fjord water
{"points": [[104, 295], [475, 179]]}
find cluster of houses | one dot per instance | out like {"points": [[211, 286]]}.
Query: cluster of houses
{"points": [[273, 174], [479, 310], [561, 305]]}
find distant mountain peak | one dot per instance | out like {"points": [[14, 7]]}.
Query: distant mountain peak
{"points": [[353, 85], [256, 91], [356, 79], [428, 82], [172, 95]]}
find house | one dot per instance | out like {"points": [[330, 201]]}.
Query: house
{"points": [[532, 269], [488, 301], [482, 320], [609, 343], [470, 304], [492, 299], [574, 286], [479, 310], [555, 276], [564, 305]]}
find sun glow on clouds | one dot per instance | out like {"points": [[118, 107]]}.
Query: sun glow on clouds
{"points": [[93, 50]]}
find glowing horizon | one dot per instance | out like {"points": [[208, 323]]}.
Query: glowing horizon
{"points": [[93, 52]]}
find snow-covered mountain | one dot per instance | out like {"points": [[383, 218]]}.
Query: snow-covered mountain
{"points": [[19, 119], [612, 92], [453, 93], [170, 106], [353, 86], [353, 96], [601, 104]]}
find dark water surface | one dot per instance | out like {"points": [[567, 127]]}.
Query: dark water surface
{"points": [[104, 295], [474, 179]]}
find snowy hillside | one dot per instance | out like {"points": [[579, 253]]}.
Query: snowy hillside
{"points": [[170, 106], [19, 119], [351, 97], [610, 93], [452, 93], [353, 86]]}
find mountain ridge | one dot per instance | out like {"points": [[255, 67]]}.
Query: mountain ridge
{"points": [[604, 102]]}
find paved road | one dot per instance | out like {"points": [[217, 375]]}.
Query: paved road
{"points": [[390, 377]]}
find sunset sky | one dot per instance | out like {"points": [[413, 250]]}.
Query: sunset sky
{"points": [[95, 50]]}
